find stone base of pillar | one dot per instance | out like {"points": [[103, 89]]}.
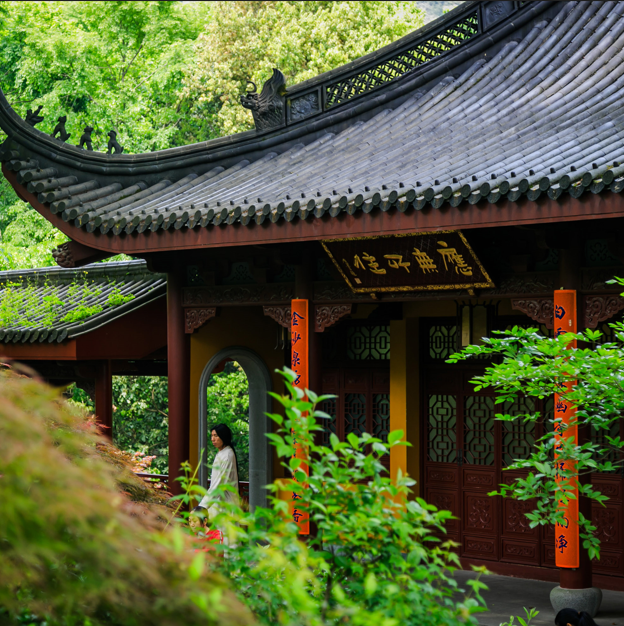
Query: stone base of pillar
{"points": [[587, 599]]}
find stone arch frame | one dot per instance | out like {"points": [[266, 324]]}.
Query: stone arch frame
{"points": [[260, 403]]}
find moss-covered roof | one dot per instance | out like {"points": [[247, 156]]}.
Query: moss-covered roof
{"points": [[54, 304]]}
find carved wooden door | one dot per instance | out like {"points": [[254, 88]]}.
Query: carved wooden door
{"points": [[356, 368], [362, 403], [465, 450]]}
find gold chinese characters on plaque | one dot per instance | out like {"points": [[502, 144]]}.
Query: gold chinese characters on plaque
{"points": [[410, 262]]}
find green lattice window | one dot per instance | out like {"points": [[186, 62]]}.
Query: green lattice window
{"points": [[368, 343], [442, 341], [479, 430], [442, 428]]}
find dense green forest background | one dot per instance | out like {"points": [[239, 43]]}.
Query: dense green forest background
{"points": [[165, 74]]}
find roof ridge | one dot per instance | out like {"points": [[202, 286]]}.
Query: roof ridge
{"points": [[135, 267], [437, 53]]}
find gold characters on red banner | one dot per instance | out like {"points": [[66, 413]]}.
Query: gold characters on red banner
{"points": [[299, 328], [566, 532]]}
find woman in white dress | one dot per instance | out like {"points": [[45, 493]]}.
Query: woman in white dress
{"points": [[224, 472]]}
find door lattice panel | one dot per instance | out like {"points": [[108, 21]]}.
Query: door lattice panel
{"points": [[355, 413], [362, 402], [518, 438], [329, 426], [381, 416], [479, 430], [442, 429]]}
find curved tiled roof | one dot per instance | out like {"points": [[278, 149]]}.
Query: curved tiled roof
{"points": [[53, 304], [536, 114]]}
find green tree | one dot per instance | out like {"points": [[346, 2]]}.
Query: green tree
{"points": [[246, 40], [140, 417], [26, 237], [110, 65], [140, 414], [532, 365]]}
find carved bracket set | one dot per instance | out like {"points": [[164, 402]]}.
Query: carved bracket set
{"points": [[196, 318], [596, 309], [281, 314], [324, 315]]}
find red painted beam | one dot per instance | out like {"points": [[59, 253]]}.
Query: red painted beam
{"points": [[40, 351], [466, 216], [133, 336]]}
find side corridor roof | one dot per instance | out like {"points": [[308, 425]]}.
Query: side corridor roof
{"points": [[51, 304], [529, 106]]}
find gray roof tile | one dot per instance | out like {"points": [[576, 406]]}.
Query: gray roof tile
{"points": [[541, 115]]}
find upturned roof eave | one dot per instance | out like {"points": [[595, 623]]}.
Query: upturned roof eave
{"points": [[251, 143]]}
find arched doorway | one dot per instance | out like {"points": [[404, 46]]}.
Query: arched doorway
{"points": [[259, 380]]}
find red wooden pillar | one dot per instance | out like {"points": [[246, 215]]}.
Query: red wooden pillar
{"points": [[104, 397], [178, 375]]}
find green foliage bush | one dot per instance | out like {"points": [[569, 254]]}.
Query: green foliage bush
{"points": [[73, 549], [376, 559]]}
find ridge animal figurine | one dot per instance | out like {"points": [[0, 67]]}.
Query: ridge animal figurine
{"points": [[85, 138], [60, 129], [268, 107], [33, 118], [113, 144]]}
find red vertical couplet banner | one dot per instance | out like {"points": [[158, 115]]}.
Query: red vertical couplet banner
{"points": [[299, 327], [567, 533]]}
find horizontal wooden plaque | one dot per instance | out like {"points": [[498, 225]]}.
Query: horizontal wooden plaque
{"points": [[410, 262]]}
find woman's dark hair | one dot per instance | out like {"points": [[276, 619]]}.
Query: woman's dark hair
{"points": [[225, 434], [575, 618]]}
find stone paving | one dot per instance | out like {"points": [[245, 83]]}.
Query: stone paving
{"points": [[507, 596]]}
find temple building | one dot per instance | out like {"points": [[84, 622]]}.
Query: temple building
{"points": [[418, 198]]}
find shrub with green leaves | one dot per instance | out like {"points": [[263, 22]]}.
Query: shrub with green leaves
{"points": [[73, 549], [532, 365], [375, 559]]}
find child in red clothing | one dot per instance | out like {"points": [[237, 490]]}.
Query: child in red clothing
{"points": [[198, 522]]}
